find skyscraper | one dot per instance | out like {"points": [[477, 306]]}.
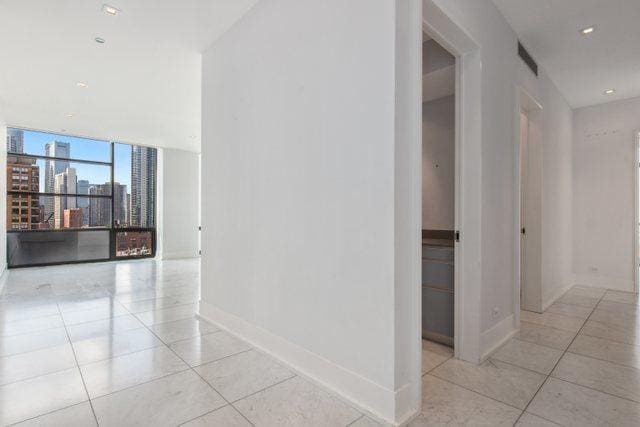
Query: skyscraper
{"points": [[23, 210], [143, 186], [64, 183], [99, 207], [83, 203], [15, 140], [51, 169], [120, 212]]}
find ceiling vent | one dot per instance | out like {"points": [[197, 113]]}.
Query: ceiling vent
{"points": [[528, 59]]}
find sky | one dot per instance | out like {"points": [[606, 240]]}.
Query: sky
{"points": [[84, 149]]}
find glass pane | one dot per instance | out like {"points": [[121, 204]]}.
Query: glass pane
{"points": [[134, 243], [135, 178], [55, 145], [57, 176], [41, 247], [58, 212]]}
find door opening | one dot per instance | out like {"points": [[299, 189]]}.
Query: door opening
{"points": [[529, 200], [438, 192]]}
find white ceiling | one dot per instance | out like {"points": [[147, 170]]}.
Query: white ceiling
{"points": [[582, 67], [144, 82]]}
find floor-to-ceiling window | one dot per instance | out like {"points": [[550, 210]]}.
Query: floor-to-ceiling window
{"points": [[72, 199]]}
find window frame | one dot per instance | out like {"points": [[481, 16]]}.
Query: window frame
{"points": [[113, 230]]}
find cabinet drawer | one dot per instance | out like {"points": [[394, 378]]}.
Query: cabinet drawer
{"points": [[438, 253], [437, 274], [437, 312]]}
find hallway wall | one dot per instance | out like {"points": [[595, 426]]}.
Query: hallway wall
{"points": [[180, 203], [502, 70], [553, 165], [298, 194], [603, 187]]}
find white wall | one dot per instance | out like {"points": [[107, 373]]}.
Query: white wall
{"points": [[298, 166], [501, 73], [550, 164], [603, 187], [438, 164], [180, 198]]}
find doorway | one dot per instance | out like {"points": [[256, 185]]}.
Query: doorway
{"points": [[529, 294], [438, 192]]}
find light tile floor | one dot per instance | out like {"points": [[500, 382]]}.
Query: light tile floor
{"points": [[577, 364], [119, 344]]}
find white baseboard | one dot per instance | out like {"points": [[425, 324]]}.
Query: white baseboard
{"points": [[554, 296], [605, 282], [371, 398], [180, 255], [493, 338]]}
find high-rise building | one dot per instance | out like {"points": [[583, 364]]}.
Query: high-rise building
{"points": [[83, 202], [100, 207], [120, 212], [15, 140], [143, 186], [23, 210], [72, 218], [64, 183], [53, 168]]}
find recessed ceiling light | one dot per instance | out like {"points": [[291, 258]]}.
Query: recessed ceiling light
{"points": [[609, 91], [70, 115], [99, 40], [110, 10], [82, 85], [588, 30]]}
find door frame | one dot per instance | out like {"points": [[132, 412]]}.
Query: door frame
{"points": [[524, 102], [468, 183], [636, 210]]}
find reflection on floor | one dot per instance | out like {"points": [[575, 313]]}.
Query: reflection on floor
{"points": [[118, 344], [577, 364]]}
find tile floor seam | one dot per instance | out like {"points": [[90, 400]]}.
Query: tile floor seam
{"points": [[205, 414], [532, 414], [47, 413], [595, 389], [603, 360], [549, 326], [355, 421], [473, 391], [559, 359], [519, 366], [535, 343], [437, 366], [31, 332], [200, 376], [608, 339], [159, 309], [187, 339], [265, 388], [84, 384], [129, 353]]}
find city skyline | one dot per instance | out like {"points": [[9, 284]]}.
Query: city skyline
{"points": [[63, 176], [34, 142]]}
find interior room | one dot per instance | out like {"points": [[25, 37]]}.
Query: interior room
{"points": [[438, 192], [320, 213]]}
